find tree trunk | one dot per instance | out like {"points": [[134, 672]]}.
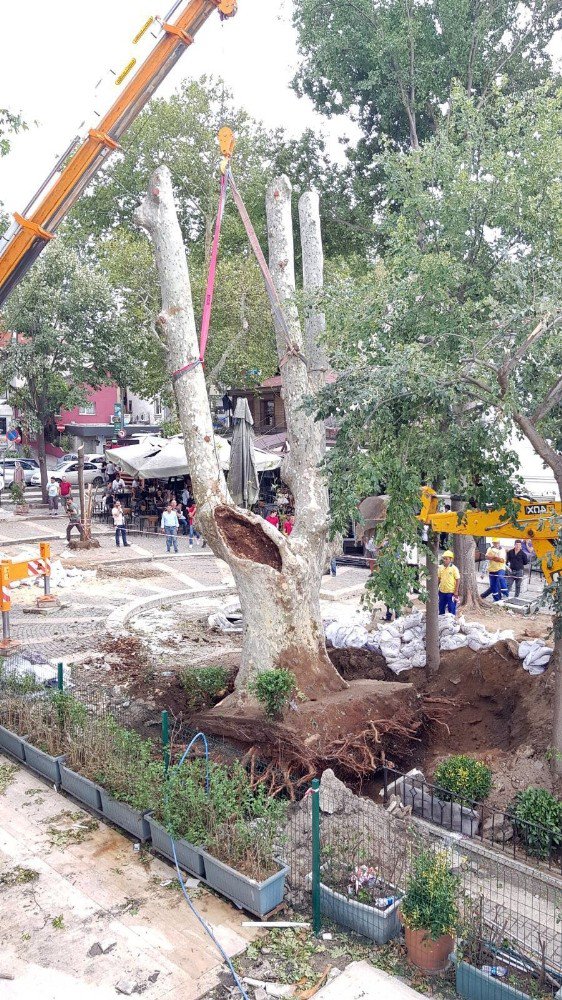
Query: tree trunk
{"points": [[432, 651], [278, 578], [42, 459], [80, 453], [464, 548], [556, 665]]}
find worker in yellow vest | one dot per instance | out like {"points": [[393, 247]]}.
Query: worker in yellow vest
{"points": [[496, 571], [449, 580]]}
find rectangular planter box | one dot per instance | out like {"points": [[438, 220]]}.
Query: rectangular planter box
{"points": [[189, 857], [43, 763], [257, 897], [80, 788], [377, 925], [125, 816], [12, 743], [473, 984]]}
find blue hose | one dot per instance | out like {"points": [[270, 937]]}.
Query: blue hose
{"points": [[204, 924]]}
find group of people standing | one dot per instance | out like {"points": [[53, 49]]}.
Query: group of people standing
{"points": [[505, 570]]}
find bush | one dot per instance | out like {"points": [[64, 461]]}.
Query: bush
{"points": [[205, 685], [537, 818], [273, 689], [126, 766], [462, 777], [430, 903]]}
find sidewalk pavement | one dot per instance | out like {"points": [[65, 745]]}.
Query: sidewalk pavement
{"points": [[69, 881]]}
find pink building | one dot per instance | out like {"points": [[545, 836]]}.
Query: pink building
{"points": [[97, 422]]}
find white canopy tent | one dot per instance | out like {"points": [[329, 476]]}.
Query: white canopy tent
{"points": [[166, 457]]}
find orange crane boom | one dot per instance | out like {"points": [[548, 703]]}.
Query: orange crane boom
{"points": [[538, 521], [32, 230]]}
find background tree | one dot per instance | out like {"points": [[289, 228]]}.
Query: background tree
{"points": [[67, 336]]}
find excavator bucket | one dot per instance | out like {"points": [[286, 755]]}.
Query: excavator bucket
{"points": [[429, 503]]}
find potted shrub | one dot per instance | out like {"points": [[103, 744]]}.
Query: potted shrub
{"points": [[359, 898], [130, 778], [240, 861], [17, 491], [429, 910]]}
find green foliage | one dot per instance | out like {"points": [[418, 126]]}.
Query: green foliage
{"points": [[17, 491], [205, 685], [129, 770], [537, 817], [463, 777], [430, 902], [14, 683], [273, 689], [10, 124]]}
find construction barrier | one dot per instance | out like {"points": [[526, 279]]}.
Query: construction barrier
{"points": [[10, 572]]}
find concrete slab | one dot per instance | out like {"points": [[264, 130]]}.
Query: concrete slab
{"points": [[79, 883], [361, 981]]}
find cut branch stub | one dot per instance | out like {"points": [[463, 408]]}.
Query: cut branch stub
{"points": [[245, 539]]}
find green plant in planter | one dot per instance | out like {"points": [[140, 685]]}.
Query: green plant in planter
{"points": [[191, 811], [461, 777], [537, 817], [273, 689], [430, 902], [250, 843], [129, 770]]}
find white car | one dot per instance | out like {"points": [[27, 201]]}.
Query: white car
{"points": [[8, 468], [69, 470], [73, 457]]}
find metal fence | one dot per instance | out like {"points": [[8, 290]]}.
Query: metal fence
{"points": [[354, 873]]}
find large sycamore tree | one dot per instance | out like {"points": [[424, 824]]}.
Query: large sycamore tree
{"points": [[277, 577]]}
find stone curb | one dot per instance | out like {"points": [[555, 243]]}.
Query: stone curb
{"points": [[118, 618]]}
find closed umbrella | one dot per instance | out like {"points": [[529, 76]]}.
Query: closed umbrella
{"points": [[243, 478]]}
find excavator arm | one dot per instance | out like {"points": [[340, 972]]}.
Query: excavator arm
{"points": [[37, 225], [535, 520]]}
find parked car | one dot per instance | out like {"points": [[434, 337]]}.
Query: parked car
{"points": [[73, 457], [29, 466], [69, 470]]}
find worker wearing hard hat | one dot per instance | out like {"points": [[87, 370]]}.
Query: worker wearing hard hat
{"points": [[449, 580], [496, 571]]}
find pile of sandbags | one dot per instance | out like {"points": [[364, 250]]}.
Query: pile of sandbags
{"points": [[402, 642], [535, 655]]}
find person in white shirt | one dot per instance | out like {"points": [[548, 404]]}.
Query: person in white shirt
{"points": [[119, 522], [170, 525], [53, 494], [119, 485]]}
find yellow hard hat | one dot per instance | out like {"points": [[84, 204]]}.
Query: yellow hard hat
{"points": [[448, 554], [496, 541]]}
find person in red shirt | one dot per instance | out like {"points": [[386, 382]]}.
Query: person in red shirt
{"points": [[273, 518], [65, 488], [289, 524]]}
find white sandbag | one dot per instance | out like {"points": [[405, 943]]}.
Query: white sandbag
{"points": [[537, 656], [419, 659], [390, 648], [453, 642], [399, 664]]}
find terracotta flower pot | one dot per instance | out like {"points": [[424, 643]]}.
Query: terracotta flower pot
{"points": [[425, 952]]}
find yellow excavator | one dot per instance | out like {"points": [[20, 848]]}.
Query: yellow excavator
{"points": [[538, 521]]}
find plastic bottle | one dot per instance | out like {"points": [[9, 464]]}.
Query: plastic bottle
{"points": [[383, 902], [498, 971]]}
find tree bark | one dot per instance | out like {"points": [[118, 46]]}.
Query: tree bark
{"points": [[433, 654], [278, 578], [81, 483], [464, 548], [313, 283], [42, 459], [556, 665]]}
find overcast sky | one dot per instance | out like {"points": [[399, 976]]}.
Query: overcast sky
{"points": [[54, 53]]}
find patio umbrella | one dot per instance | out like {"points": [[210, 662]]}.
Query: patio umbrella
{"points": [[131, 456], [243, 478], [171, 460]]}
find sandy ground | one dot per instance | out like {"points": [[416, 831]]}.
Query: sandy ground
{"points": [[68, 881]]}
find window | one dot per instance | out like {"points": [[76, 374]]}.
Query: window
{"points": [[87, 409]]}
